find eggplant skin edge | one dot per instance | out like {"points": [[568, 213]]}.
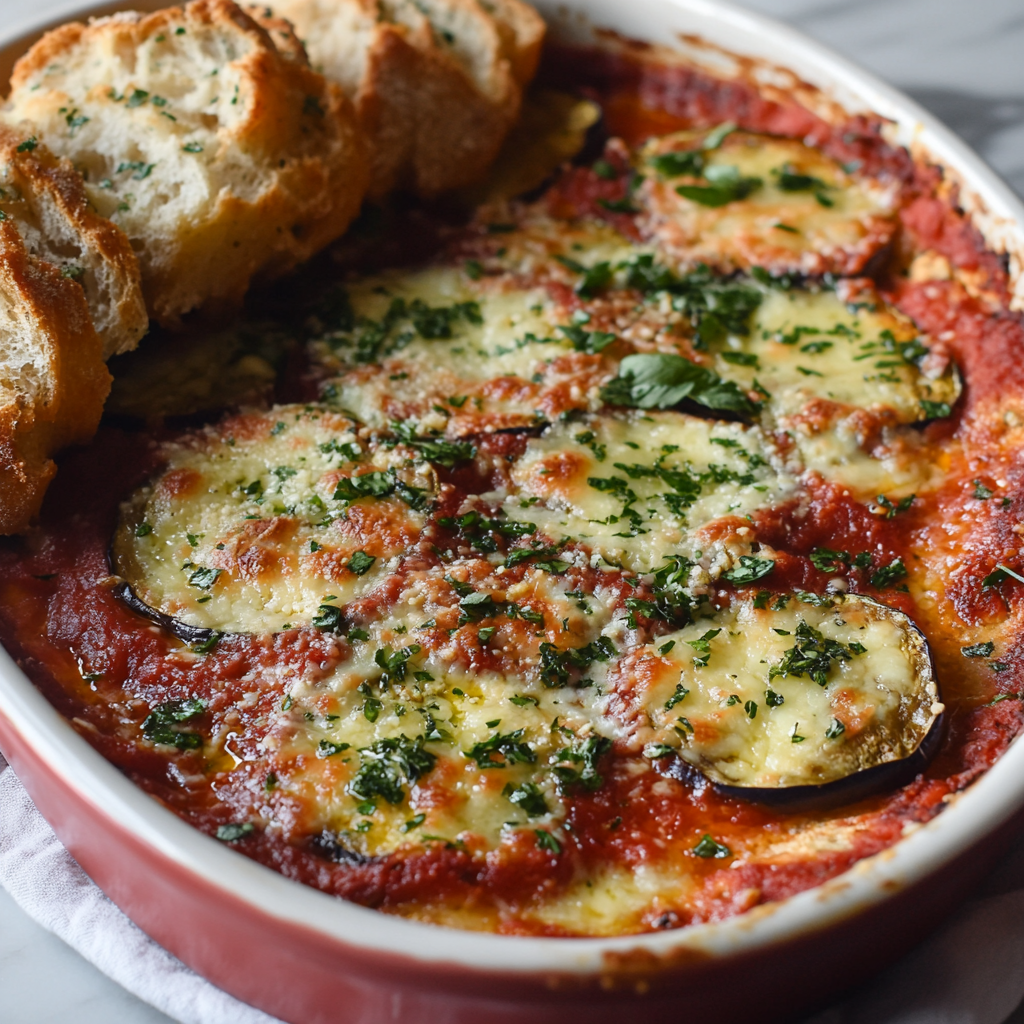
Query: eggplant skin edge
{"points": [[868, 782], [328, 845], [182, 630], [862, 784]]}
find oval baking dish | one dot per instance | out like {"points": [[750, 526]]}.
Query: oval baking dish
{"points": [[308, 958]]}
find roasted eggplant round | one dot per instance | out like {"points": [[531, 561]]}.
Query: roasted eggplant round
{"points": [[268, 521], [795, 703]]}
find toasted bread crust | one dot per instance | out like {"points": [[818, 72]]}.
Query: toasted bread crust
{"points": [[55, 399], [436, 102], [222, 156], [45, 195]]}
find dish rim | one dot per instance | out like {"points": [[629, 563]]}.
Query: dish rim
{"points": [[969, 817]]}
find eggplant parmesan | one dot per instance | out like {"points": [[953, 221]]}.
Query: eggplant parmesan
{"points": [[616, 555]]}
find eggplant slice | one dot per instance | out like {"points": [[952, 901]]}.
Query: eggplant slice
{"points": [[638, 487], [268, 521], [811, 346], [795, 703], [736, 200]]}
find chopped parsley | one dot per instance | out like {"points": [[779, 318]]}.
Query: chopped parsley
{"points": [[835, 729], [749, 570], [709, 848], [827, 560], [360, 563], [656, 751], [160, 724], [394, 664], [207, 645], [444, 453], [591, 342], [203, 578], [891, 508], [702, 645], [725, 185], [594, 279], [528, 797], [576, 765], [1000, 574], [328, 618], [889, 574], [546, 841], [680, 694], [328, 749], [982, 650], [557, 666], [388, 766], [234, 832], [813, 655], [936, 410], [508, 746]]}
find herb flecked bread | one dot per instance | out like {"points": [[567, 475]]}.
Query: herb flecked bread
{"points": [[45, 197], [437, 83], [219, 155], [62, 270]]}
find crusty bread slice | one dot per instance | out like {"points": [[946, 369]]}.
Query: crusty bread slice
{"points": [[53, 380], [219, 155], [45, 198], [437, 83]]}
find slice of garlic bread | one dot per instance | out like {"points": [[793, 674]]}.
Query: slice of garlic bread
{"points": [[219, 155], [44, 197], [437, 83], [53, 380]]}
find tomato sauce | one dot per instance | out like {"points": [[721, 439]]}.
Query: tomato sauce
{"points": [[106, 667]]}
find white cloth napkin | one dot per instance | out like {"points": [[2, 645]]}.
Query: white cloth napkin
{"points": [[970, 972], [54, 891]]}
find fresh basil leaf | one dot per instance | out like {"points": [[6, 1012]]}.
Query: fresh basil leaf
{"points": [[656, 380]]}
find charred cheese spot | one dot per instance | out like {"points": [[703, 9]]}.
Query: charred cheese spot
{"points": [[639, 487], [865, 453], [762, 698], [255, 524], [798, 212]]}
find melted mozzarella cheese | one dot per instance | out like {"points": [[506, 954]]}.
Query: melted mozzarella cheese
{"points": [[832, 223], [498, 333], [730, 696], [636, 488], [242, 530], [808, 347], [894, 467], [436, 698]]}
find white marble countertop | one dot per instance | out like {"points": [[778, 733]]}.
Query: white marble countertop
{"points": [[963, 60]]}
